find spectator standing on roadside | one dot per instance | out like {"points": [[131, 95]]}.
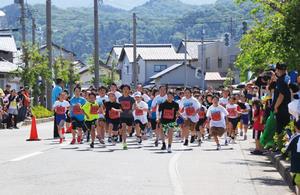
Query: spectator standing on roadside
{"points": [[13, 101], [282, 97]]}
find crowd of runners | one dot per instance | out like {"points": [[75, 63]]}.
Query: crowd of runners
{"points": [[191, 114], [265, 105]]}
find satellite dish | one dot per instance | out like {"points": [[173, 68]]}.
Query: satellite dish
{"points": [[2, 13]]}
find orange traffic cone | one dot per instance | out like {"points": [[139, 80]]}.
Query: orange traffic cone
{"points": [[69, 130], [33, 131]]}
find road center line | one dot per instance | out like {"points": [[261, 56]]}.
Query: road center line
{"points": [[26, 156], [174, 174]]}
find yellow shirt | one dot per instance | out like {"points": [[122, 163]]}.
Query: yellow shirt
{"points": [[91, 110]]}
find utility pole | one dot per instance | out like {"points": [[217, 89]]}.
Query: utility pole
{"points": [[231, 27], [185, 60], [134, 65], [202, 59], [24, 35], [96, 43], [33, 29], [49, 48]]}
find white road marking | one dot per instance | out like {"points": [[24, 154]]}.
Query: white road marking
{"points": [[26, 156], [174, 174]]}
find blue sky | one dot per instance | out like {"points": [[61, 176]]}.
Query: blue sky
{"points": [[125, 4]]}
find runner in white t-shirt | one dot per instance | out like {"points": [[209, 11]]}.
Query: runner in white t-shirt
{"points": [[223, 101], [140, 115], [217, 114], [190, 115], [233, 118], [159, 99]]}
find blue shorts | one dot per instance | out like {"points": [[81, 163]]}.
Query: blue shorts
{"points": [[245, 119], [59, 118], [180, 121]]}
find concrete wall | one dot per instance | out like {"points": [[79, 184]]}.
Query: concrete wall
{"points": [[217, 50], [177, 77], [151, 64]]}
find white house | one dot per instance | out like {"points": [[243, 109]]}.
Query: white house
{"points": [[177, 75], [8, 61], [114, 55], [151, 59]]}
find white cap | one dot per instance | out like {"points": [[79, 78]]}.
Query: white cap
{"points": [[137, 94]]}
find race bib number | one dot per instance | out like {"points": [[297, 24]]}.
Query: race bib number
{"points": [[201, 114], [154, 109], [60, 110], [168, 114], [139, 112], [216, 116], [126, 105], [190, 111], [77, 110], [94, 109], [232, 112], [113, 114]]}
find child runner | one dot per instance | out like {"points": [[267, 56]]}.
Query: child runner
{"points": [[224, 100], [126, 118], [60, 107], [245, 107], [77, 115], [216, 115], [91, 110], [190, 107], [159, 99], [233, 118], [101, 98], [112, 115], [169, 112], [140, 115], [258, 125], [201, 123]]}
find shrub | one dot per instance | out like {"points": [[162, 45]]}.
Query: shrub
{"points": [[41, 112]]}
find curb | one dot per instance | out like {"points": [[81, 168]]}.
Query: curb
{"points": [[283, 167], [38, 121]]}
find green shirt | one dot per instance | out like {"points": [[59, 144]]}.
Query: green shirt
{"points": [[91, 110]]}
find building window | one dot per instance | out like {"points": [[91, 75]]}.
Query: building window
{"points": [[207, 63], [159, 68], [232, 59], [127, 69], [220, 63], [139, 69]]}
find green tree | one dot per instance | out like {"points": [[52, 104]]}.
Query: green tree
{"points": [[229, 78], [36, 74], [274, 36]]}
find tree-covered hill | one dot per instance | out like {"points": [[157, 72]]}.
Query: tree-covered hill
{"points": [[159, 21]]}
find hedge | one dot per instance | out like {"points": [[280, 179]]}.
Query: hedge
{"points": [[41, 112]]}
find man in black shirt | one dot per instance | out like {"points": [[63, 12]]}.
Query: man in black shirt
{"points": [[282, 97], [168, 112]]}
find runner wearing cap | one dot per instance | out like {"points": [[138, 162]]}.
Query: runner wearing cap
{"points": [[112, 115], [101, 98], [140, 115]]}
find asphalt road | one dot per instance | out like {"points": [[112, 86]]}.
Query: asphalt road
{"points": [[45, 167]]}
